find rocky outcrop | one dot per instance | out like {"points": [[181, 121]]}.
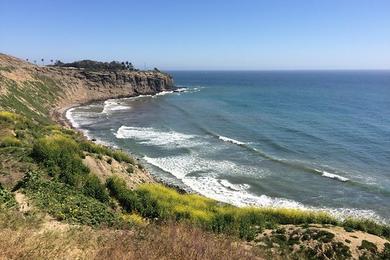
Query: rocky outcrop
{"points": [[72, 86], [85, 86]]}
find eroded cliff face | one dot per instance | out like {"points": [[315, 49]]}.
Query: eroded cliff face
{"points": [[84, 86], [48, 91]]}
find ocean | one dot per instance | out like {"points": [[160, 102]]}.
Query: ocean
{"points": [[299, 139]]}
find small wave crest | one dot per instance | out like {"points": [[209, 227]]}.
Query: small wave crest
{"points": [[163, 93], [189, 89], [152, 136], [236, 187], [113, 105], [230, 140], [294, 164], [332, 175]]}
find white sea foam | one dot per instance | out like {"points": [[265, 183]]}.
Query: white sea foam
{"points": [[113, 105], [193, 164], [179, 90], [212, 188], [207, 182], [236, 187], [71, 119], [163, 93], [332, 175], [151, 136], [202, 176], [230, 140], [189, 89], [79, 117]]}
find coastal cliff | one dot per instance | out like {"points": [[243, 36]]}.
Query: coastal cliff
{"points": [[37, 91]]}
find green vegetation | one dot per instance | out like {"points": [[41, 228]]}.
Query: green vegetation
{"points": [[158, 201], [61, 156], [7, 200], [6, 68], [118, 155], [367, 225], [91, 65], [64, 202], [31, 98], [9, 141], [369, 246], [57, 181], [94, 188], [126, 197], [130, 169], [121, 156], [305, 243]]}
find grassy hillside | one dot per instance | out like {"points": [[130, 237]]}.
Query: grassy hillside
{"points": [[50, 196], [31, 97]]}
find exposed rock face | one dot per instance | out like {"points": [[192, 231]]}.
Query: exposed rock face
{"points": [[75, 86], [84, 86]]}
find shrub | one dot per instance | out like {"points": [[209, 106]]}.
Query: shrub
{"points": [[367, 225], [62, 157], [386, 252], [369, 246], [65, 202], [130, 169], [121, 156], [91, 147], [127, 198], [8, 117], [94, 188], [9, 141], [134, 219], [7, 200]]}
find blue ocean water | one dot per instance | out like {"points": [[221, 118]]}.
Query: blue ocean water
{"points": [[304, 139]]}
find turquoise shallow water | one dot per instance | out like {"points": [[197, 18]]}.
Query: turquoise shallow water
{"points": [[286, 139]]}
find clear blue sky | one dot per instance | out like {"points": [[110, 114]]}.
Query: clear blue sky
{"points": [[212, 34]]}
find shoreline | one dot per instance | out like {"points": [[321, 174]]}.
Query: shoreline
{"points": [[339, 213], [64, 121]]}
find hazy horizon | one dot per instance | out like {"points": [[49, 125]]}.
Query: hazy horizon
{"points": [[217, 36]]}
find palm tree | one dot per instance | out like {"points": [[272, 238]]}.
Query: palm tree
{"points": [[43, 61], [51, 61], [27, 59]]}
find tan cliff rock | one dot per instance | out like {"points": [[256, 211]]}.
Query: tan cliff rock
{"points": [[71, 86]]}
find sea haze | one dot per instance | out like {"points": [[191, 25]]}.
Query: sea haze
{"points": [[302, 139]]}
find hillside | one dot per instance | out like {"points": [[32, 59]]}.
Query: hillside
{"points": [[37, 92], [62, 196]]}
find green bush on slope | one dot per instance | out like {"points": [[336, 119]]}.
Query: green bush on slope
{"points": [[126, 197], [9, 141], [65, 202], [62, 158], [7, 200], [94, 188]]}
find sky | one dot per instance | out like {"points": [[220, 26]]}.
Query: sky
{"points": [[202, 35]]}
